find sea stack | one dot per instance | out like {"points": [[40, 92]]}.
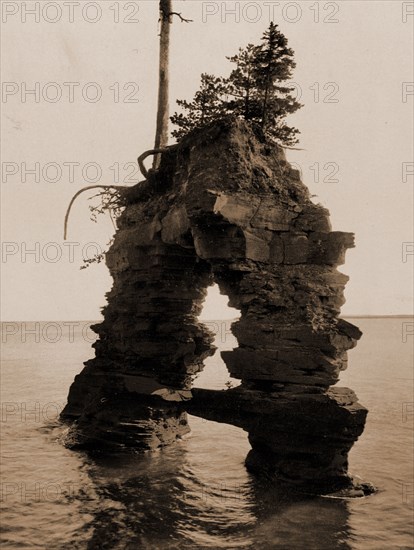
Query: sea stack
{"points": [[225, 207]]}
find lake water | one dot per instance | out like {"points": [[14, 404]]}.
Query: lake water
{"points": [[196, 494]]}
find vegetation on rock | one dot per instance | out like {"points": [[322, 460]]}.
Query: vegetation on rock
{"points": [[256, 90]]}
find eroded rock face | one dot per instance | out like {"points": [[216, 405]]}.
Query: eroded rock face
{"points": [[225, 207]]}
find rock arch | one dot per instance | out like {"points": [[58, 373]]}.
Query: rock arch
{"points": [[225, 206]]}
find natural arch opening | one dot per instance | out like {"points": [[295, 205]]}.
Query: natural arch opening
{"points": [[218, 316]]}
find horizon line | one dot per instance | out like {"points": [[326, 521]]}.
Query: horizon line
{"points": [[350, 316]]}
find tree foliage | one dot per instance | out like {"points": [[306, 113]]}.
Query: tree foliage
{"points": [[206, 106], [256, 90]]}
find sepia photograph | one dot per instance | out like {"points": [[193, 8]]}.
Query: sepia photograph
{"points": [[207, 250]]}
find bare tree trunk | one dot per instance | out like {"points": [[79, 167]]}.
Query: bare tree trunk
{"points": [[247, 97], [264, 114], [161, 135]]}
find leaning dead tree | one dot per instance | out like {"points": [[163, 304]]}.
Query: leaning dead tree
{"points": [[163, 112], [161, 133]]}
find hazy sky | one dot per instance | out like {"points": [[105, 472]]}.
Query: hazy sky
{"points": [[354, 75]]}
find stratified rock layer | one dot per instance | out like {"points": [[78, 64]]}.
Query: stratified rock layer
{"points": [[225, 207]]}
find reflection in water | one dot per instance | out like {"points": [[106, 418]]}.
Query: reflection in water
{"points": [[170, 500], [286, 520]]}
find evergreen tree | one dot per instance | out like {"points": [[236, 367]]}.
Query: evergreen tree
{"points": [[273, 65], [208, 105], [242, 85], [255, 90]]}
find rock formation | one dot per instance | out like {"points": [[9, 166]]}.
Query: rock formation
{"points": [[225, 207]]}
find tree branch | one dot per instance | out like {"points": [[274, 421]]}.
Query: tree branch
{"points": [[144, 172], [168, 14], [182, 19], [65, 231], [146, 154]]}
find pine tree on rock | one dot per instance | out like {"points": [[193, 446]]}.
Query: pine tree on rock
{"points": [[207, 105], [242, 85], [273, 65], [256, 90]]}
